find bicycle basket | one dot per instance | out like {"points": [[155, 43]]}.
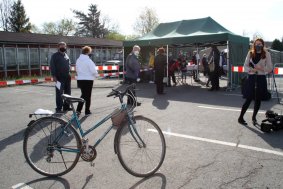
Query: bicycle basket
{"points": [[118, 117]]}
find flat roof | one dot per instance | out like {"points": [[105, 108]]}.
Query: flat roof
{"points": [[32, 38]]}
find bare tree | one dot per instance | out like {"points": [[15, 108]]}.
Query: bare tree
{"points": [[146, 21], [256, 35], [5, 12], [63, 27], [109, 24]]}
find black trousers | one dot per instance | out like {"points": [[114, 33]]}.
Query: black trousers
{"points": [[159, 83], [64, 89], [215, 79], [86, 89], [173, 79], [130, 81]]}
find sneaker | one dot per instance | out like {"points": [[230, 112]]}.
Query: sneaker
{"points": [[88, 113]]}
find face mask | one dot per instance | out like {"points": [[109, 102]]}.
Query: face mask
{"points": [[136, 53], [258, 48], [62, 49]]}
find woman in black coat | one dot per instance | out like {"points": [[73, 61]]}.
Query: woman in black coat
{"points": [[257, 64]]}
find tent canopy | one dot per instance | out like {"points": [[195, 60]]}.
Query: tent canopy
{"points": [[201, 31], [196, 33]]}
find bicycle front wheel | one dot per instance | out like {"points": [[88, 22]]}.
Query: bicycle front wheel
{"points": [[141, 147], [51, 148]]}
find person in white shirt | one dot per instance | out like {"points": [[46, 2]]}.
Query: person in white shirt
{"points": [[86, 73]]}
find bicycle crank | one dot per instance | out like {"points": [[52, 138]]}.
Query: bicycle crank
{"points": [[88, 154]]}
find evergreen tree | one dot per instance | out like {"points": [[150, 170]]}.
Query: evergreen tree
{"points": [[18, 20], [277, 45], [89, 24]]}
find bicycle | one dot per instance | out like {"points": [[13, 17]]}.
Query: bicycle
{"points": [[52, 146]]}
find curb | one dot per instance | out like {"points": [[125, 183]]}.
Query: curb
{"points": [[23, 82]]}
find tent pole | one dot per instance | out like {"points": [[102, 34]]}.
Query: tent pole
{"points": [[167, 49], [197, 57], [229, 71]]}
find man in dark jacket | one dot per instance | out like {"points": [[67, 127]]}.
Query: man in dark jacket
{"points": [[159, 67], [214, 74], [132, 70], [60, 71]]}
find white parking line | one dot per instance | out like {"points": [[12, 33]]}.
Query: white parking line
{"points": [[227, 109], [221, 142], [21, 186]]}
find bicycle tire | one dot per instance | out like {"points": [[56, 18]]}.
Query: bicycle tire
{"points": [[149, 132], [36, 142]]}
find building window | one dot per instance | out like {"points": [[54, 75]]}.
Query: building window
{"points": [[103, 55], [34, 57], [22, 57], [71, 54], [96, 56], [78, 53], [1, 57], [44, 56], [50, 53], [107, 54], [10, 56]]}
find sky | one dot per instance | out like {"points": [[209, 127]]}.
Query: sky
{"points": [[242, 17]]}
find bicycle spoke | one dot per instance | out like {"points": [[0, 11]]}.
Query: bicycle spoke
{"points": [[43, 154], [141, 160]]}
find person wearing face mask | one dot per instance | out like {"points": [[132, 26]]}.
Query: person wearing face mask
{"points": [[132, 70], [86, 73], [60, 71], [257, 64]]}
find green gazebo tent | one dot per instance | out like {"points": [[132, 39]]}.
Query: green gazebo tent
{"points": [[196, 33]]}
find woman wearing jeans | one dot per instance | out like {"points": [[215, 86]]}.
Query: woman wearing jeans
{"points": [[86, 73], [257, 64]]}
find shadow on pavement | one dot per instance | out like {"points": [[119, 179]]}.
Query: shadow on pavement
{"points": [[274, 138], [151, 182], [49, 182], [196, 93]]}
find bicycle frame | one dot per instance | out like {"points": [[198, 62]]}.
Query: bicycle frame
{"points": [[75, 119]]}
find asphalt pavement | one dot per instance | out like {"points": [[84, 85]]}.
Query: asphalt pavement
{"points": [[206, 147]]}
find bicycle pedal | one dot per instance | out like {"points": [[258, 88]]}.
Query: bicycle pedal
{"points": [[92, 164]]}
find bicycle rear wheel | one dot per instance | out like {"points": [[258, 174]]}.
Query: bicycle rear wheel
{"points": [[50, 148], [141, 159]]}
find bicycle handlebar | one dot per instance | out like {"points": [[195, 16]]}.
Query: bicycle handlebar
{"points": [[120, 94]]}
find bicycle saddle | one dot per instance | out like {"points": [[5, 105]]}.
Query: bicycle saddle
{"points": [[71, 98]]}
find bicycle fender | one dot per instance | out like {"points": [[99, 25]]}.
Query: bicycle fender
{"points": [[30, 123], [116, 136], [116, 140]]}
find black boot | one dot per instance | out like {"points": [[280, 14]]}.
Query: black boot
{"points": [[242, 121]]}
